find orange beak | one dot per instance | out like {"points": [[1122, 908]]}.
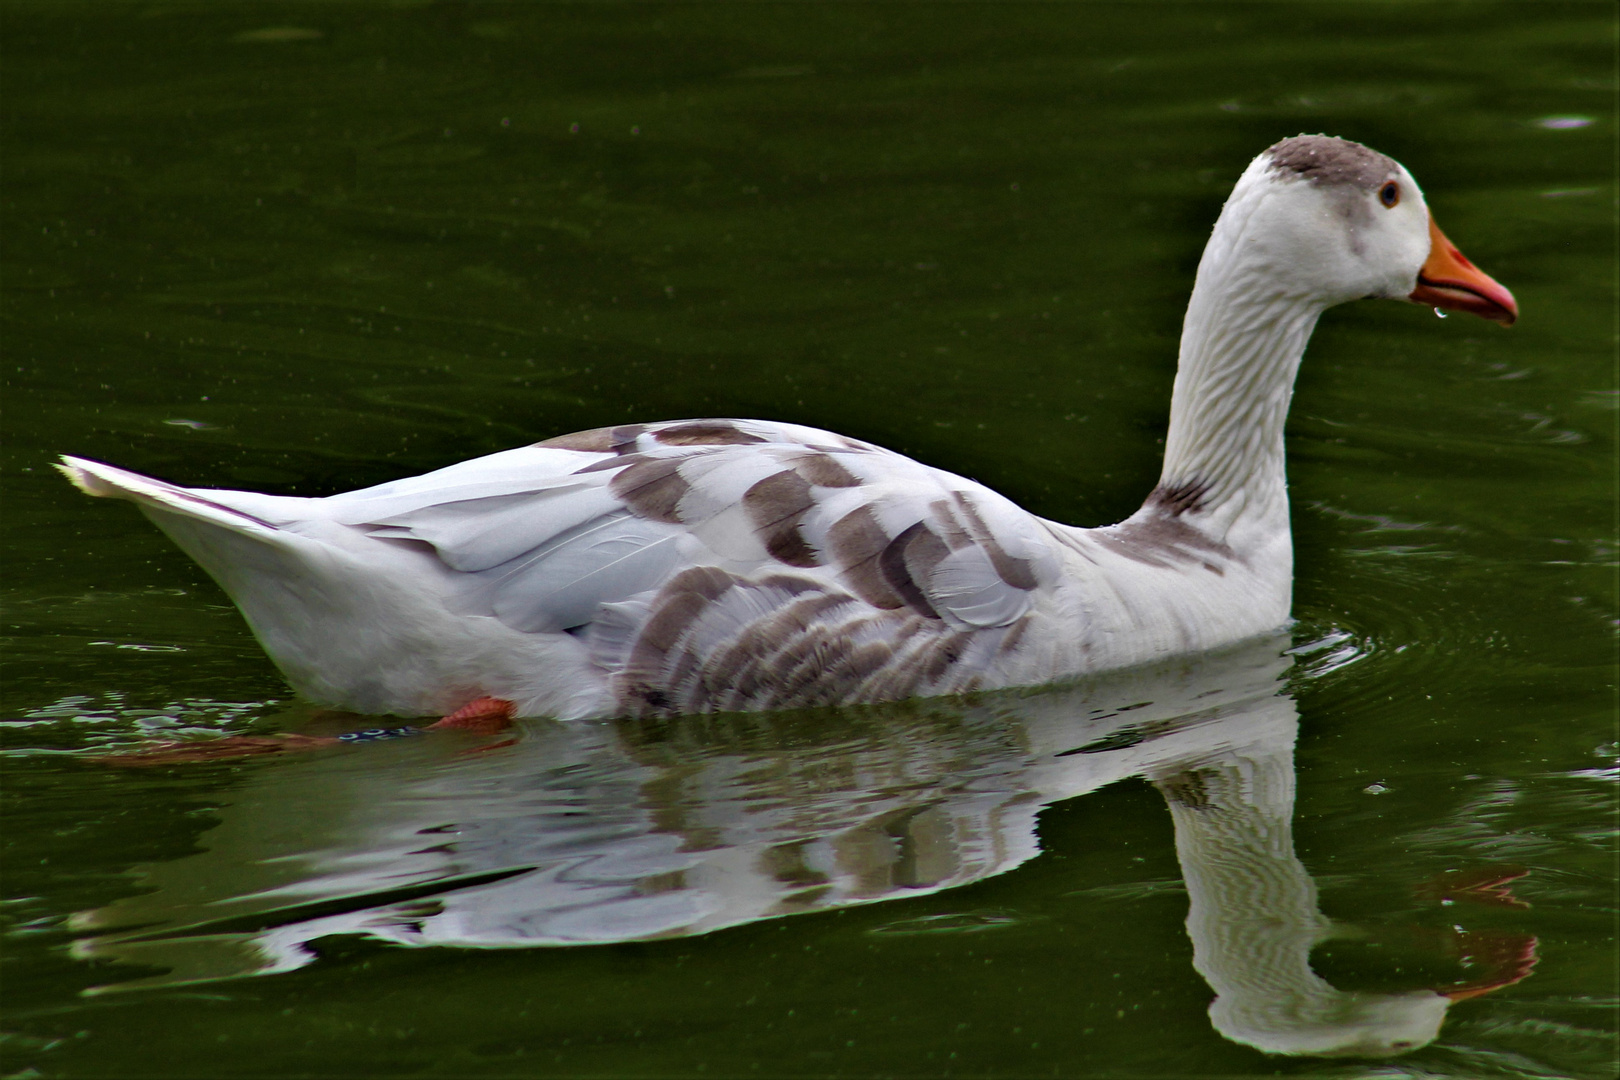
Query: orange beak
{"points": [[1449, 281]]}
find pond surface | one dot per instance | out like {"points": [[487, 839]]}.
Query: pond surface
{"points": [[308, 248]]}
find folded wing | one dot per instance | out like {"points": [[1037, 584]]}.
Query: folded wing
{"points": [[741, 552]]}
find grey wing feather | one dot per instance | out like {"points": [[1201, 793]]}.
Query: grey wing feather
{"points": [[562, 584], [604, 527], [473, 535]]}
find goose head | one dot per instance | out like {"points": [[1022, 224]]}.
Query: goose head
{"points": [[1327, 220]]}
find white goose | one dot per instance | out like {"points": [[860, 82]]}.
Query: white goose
{"points": [[706, 565]]}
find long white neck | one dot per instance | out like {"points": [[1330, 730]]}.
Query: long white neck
{"points": [[1246, 329]]}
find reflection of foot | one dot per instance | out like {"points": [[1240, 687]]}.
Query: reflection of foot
{"points": [[1482, 885], [485, 716], [1496, 958], [186, 751], [1503, 957]]}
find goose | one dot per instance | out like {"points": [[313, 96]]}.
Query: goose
{"points": [[709, 565]]}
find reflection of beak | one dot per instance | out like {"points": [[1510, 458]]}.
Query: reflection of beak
{"points": [[1448, 280]]}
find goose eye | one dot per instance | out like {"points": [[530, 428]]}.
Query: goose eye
{"points": [[1390, 193]]}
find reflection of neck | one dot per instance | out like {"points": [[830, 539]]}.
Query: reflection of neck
{"points": [[1253, 917]]}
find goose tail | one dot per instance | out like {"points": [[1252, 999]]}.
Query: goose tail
{"points": [[109, 482], [322, 615]]}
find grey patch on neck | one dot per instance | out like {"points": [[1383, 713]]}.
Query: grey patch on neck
{"points": [[1327, 161], [1160, 538], [1179, 499]]}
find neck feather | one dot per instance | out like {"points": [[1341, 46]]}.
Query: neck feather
{"points": [[1244, 335]]}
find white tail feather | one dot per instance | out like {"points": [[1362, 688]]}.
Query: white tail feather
{"points": [[107, 482]]}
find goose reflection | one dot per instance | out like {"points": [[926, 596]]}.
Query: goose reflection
{"points": [[591, 832]]}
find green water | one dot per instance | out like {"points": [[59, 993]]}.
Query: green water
{"points": [[309, 248]]}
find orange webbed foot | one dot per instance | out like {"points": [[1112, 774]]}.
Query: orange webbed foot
{"points": [[483, 716]]}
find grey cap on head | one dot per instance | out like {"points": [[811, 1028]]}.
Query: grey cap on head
{"points": [[1323, 159]]}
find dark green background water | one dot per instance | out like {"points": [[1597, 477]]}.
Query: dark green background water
{"points": [[309, 248]]}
